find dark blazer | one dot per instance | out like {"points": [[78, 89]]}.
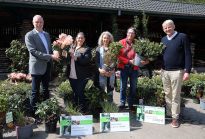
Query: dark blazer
{"points": [[38, 57], [83, 63]]}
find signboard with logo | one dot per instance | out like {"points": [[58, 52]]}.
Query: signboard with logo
{"points": [[151, 114]]}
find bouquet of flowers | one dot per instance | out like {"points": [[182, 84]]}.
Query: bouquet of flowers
{"points": [[110, 57], [147, 49], [61, 43]]}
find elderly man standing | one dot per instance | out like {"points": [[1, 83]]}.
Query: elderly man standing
{"points": [[40, 60], [177, 63]]}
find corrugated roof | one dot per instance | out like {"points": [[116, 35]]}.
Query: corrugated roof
{"points": [[151, 6]]}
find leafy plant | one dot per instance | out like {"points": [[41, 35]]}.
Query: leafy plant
{"points": [[94, 96], [148, 49], [197, 89], [4, 102], [64, 90], [108, 107], [21, 120], [195, 78], [49, 110], [18, 54], [110, 58], [72, 110]]}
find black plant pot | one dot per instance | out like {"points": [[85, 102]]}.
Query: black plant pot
{"points": [[50, 127]]}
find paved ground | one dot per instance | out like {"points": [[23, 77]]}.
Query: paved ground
{"points": [[192, 127]]}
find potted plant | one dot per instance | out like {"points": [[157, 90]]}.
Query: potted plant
{"points": [[65, 91], [146, 49], [108, 107], [49, 111], [110, 58], [94, 98], [72, 110], [24, 125]]}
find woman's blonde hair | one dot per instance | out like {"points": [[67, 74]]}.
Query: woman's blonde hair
{"points": [[100, 40]]}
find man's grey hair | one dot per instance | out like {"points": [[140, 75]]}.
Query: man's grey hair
{"points": [[169, 21]]}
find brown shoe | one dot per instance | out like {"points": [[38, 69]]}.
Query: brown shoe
{"points": [[175, 123]]}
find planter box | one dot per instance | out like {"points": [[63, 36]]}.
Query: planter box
{"points": [[24, 132]]}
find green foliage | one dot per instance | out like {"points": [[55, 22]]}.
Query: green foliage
{"points": [[109, 107], [72, 110], [190, 86], [16, 93], [151, 90], [21, 120], [49, 110], [197, 90], [94, 96], [196, 77], [136, 22], [64, 90], [140, 23], [4, 102], [18, 54], [148, 49], [110, 58]]}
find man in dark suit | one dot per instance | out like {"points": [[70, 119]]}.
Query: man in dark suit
{"points": [[38, 44]]}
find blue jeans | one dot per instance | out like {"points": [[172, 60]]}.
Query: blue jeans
{"points": [[38, 80], [126, 73], [78, 87]]}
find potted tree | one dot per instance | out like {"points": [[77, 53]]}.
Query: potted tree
{"points": [[24, 125], [146, 50], [49, 111]]}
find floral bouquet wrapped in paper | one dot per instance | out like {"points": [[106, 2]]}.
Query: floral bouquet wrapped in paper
{"points": [[61, 43], [146, 49], [110, 57]]}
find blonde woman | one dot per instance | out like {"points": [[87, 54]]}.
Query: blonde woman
{"points": [[105, 78]]}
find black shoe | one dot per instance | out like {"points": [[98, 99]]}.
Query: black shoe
{"points": [[122, 106]]}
